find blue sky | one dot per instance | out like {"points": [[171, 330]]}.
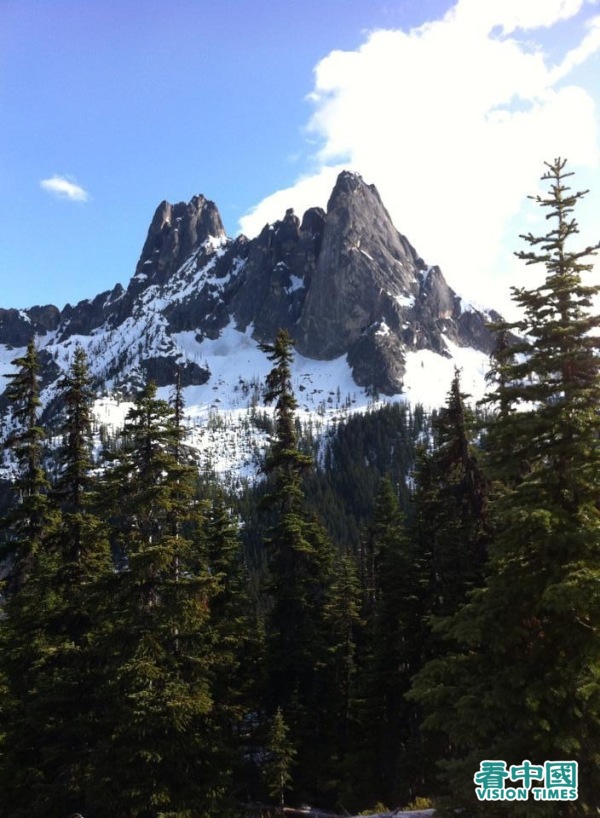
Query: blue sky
{"points": [[449, 106]]}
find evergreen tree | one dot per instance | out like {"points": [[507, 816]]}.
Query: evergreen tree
{"points": [[27, 640], [389, 656], [451, 533], [451, 524], [83, 566], [28, 520], [236, 653], [300, 559], [345, 633], [156, 754], [521, 681], [74, 491], [281, 756], [343, 617]]}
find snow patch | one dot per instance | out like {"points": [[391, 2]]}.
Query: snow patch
{"points": [[296, 284], [8, 354], [428, 375], [407, 300]]}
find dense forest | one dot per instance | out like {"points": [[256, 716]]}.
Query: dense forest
{"points": [[353, 633]]}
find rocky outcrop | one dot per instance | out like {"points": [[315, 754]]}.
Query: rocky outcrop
{"points": [[363, 265], [343, 281], [18, 327], [175, 233], [278, 274], [88, 315], [164, 371]]}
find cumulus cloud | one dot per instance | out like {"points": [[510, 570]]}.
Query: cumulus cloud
{"points": [[64, 187], [452, 122]]}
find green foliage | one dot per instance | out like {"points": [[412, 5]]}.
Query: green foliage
{"points": [[40, 631], [521, 680], [157, 738], [451, 521], [153, 681], [280, 760], [384, 761], [28, 521], [365, 449], [299, 562]]}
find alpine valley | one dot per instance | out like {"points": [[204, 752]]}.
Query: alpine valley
{"points": [[370, 319]]}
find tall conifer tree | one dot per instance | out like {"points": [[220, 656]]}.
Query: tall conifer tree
{"points": [[28, 640], [236, 676], [28, 520], [155, 755], [384, 754], [300, 559], [451, 507], [523, 681], [84, 565]]}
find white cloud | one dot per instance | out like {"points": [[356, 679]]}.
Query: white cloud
{"points": [[64, 187], [452, 122]]}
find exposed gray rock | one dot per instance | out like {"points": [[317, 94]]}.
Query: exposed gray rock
{"points": [[344, 282], [377, 361], [278, 273], [362, 265], [163, 371], [86, 316], [18, 327], [176, 231]]}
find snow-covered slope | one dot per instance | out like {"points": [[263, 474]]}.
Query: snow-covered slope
{"points": [[372, 323], [223, 416]]}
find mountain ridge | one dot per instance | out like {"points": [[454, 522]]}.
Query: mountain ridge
{"points": [[343, 281]]}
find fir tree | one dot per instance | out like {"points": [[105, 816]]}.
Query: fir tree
{"points": [[82, 535], [280, 761], [389, 656], [84, 564], [522, 680], [300, 558], [236, 652], [28, 641], [345, 628], [451, 507], [156, 753], [27, 522]]}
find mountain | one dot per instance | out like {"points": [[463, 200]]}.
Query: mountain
{"points": [[368, 315]]}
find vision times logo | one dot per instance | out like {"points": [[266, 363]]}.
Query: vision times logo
{"points": [[558, 781]]}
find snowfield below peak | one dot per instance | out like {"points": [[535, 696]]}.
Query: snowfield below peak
{"points": [[224, 416]]}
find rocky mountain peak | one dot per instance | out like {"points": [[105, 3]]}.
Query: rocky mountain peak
{"points": [[176, 231], [344, 282], [364, 265], [349, 183]]}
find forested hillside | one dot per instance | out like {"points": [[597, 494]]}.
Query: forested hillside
{"points": [[389, 607]]}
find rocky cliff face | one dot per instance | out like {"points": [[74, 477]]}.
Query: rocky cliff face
{"points": [[344, 282], [175, 233]]}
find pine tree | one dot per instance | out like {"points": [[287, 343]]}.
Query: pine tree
{"points": [[28, 520], [83, 539], [451, 507], [236, 652], [343, 617], [280, 761], [27, 640], [300, 560], [451, 531], [67, 698], [521, 681], [345, 628], [390, 650], [156, 753]]}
